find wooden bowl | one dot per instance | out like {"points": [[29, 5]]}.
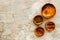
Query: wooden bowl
{"points": [[38, 19], [39, 31], [48, 10], [50, 26]]}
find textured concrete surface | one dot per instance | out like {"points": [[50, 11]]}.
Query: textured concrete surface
{"points": [[16, 19]]}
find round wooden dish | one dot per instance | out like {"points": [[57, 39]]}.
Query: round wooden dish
{"points": [[48, 10], [39, 31], [38, 19], [50, 26]]}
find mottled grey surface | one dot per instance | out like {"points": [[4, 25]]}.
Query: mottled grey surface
{"points": [[16, 19]]}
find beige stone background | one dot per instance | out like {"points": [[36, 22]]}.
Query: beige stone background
{"points": [[16, 19]]}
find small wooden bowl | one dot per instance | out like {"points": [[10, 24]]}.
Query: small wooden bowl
{"points": [[39, 31], [50, 26], [38, 19], [48, 10]]}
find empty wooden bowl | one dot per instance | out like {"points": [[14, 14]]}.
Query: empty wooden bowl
{"points": [[38, 19], [39, 31], [48, 10], [50, 26]]}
